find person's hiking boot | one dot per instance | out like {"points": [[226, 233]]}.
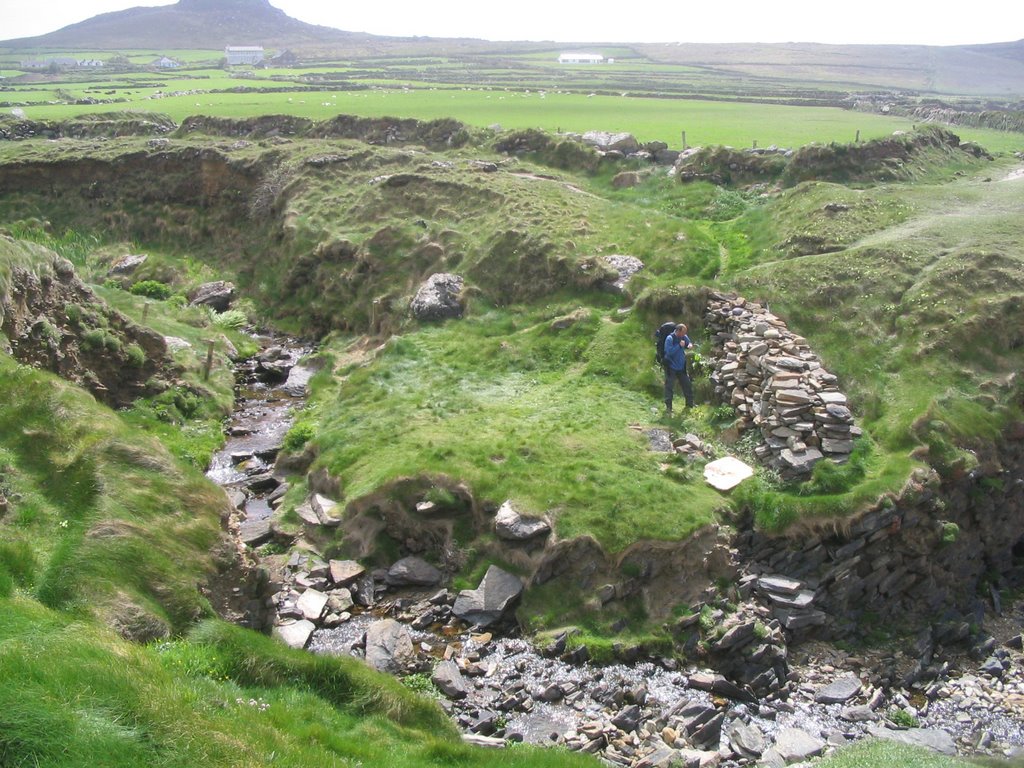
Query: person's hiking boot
{"points": [[668, 411]]}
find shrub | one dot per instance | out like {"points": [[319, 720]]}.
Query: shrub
{"points": [[300, 434], [233, 318], [903, 718], [152, 289], [950, 532], [135, 355]]}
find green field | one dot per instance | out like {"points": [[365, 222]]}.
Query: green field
{"points": [[655, 101]]}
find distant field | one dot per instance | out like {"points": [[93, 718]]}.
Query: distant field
{"points": [[654, 101]]}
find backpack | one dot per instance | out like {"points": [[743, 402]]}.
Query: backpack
{"points": [[664, 331]]}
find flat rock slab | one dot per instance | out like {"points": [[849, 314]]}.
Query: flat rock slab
{"points": [[253, 533], [295, 634], [839, 691], [344, 571], [932, 738], [726, 473]]}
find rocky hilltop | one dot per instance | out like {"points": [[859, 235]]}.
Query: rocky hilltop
{"points": [[210, 24]]}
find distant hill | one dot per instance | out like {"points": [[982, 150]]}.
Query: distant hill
{"points": [[190, 24], [995, 69]]}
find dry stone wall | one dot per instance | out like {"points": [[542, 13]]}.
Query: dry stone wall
{"points": [[777, 385]]}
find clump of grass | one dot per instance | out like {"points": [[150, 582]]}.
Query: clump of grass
{"points": [[152, 289]]}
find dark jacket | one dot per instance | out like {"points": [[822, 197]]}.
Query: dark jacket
{"points": [[675, 352]]}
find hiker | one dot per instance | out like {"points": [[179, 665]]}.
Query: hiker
{"points": [[676, 345]]}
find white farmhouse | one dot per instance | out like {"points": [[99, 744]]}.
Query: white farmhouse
{"points": [[580, 58]]}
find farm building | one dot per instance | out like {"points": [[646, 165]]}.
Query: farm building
{"points": [[580, 58], [243, 54], [165, 62]]}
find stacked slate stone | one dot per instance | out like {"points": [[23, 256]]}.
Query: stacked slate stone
{"points": [[777, 385]]}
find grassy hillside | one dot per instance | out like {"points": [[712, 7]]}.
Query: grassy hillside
{"points": [[109, 546]]}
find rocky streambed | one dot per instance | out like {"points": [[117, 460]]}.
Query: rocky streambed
{"points": [[778, 702]]}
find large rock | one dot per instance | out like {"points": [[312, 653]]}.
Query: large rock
{"points": [[488, 604], [510, 525], [413, 572], [389, 647], [311, 604], [449, 680], [127, 264], [438, 298], [217, 295]]}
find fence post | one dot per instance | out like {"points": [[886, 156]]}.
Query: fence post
{"points": [[209, 358], [857, 140], [684, 139]]}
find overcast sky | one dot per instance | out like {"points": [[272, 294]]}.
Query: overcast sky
{"points": [[852, 21]]}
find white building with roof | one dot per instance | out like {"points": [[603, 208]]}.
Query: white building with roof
{"points": [[580, 58]]}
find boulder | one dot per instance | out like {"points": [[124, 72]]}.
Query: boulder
{"points": [[311, 604], [438, 298], [449, 680], [510, 525], [389, 647], [748, 740], [127, 264], [413, 572], [217, 295], [488, 604]]}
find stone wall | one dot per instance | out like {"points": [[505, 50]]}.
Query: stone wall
{"points": [[777, 385], [933, 558]]}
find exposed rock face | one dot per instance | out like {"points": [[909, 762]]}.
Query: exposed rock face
{"points": [[217, 295], [625, 266], [493, 600], [55, 322], [777, 385], [438, 298]]}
